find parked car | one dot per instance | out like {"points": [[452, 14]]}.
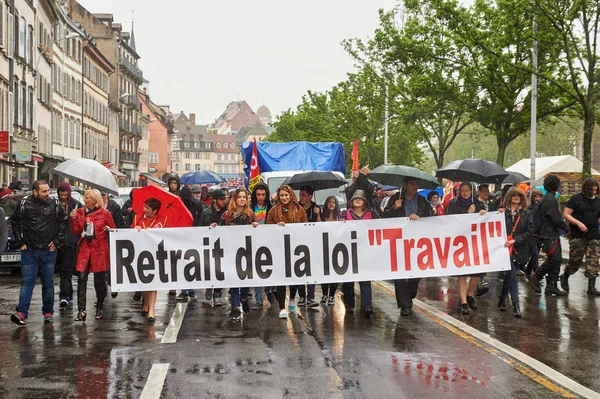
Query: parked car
{"points": [[11, 258]]}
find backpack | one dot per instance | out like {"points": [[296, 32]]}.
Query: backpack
{"points": [[536, 219]]}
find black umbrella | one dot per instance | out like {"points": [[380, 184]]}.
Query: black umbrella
{"points": [[515, 178], [316, 179], [394, 175], [473, 170]]}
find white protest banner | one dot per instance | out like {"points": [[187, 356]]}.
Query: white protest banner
{"points": [[327, 252]]}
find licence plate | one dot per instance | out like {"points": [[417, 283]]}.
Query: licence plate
{"points": [[10, 258]]}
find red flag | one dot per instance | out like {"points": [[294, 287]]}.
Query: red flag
{"points": [[448, 193], [354, 156], [254, 169]]}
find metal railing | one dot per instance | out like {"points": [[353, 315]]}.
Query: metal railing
{"points": [[130, 156], [137, 72]]}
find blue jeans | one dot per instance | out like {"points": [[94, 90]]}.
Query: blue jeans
{"points": [[510, 283], [258, 293], [235, 295], [32, 262], [366, 295]]}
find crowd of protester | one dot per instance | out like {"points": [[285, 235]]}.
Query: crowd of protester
{"points": [[60, 233]]}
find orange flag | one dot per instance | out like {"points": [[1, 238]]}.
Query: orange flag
{"points": [[354, 156], [254, 169]]}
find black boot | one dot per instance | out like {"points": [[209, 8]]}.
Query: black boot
{"points": [[516, 309], [99, 308], [552, 289], [534, 279], [592, 287], [564, 281], [502, 304]]}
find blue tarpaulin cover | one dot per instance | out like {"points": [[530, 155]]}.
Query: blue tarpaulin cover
{"points": [[301, 155]]}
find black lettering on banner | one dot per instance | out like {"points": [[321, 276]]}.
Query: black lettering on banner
{"points": [[175, 257], [161, 257], [340, 249], [124, 262], [244, 255], [287, 255], [303, 261], [191, 271], [206, 251], [326, 270], [145, 263], [217, 256], [354, 249], [263, 252]]}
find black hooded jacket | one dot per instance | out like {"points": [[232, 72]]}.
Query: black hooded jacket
{"points": [[37, 223], [194, 205], [127, 211], [174, 176]]}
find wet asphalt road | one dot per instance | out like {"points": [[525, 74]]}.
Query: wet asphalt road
{"points": [[321, 353]]}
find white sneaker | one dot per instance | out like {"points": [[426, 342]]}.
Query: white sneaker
{"points": [[292, 306], [282, 314]]}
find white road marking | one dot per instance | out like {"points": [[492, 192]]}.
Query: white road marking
{"points": [[172, 330], [156, 380], [540, 367]]}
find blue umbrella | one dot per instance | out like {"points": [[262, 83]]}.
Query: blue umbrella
{"points": [[201, 177]]}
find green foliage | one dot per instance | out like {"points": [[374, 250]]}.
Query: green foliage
{"points": [[352, 110]]}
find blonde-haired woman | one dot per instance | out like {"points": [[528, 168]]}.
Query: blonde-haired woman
{"points": [[92, 223], [238, 214]]}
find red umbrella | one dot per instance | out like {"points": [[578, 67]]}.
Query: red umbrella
{"points": [[171, 206]]}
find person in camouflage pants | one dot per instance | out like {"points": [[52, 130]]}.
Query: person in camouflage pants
{"points": [[582, 212]]}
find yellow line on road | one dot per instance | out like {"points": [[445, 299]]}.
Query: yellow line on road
{"points": [[506, 359]]}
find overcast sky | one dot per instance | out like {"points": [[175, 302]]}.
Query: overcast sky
{"points": [[201, 54]]}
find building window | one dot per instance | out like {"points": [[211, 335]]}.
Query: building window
{"points": [[187, 166], [154, 157], [207, 145], [219, 169], [198, 155], [196, 145], [198, 166], [206, 166], [206, 155], [226, 169], [218, 145], [218, 157], [186, 145], [187, 155]]}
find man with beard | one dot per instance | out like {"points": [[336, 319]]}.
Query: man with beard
{"points": [[39, 224], [211, 215], [413, 206]]}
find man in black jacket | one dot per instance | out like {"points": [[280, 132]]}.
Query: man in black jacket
{"points": [[413, 206], [67, 253], [211, 215], [114, 209], [549, 235], [39, 224]]}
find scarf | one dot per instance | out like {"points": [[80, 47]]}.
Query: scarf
{"points": [[465, 202]]}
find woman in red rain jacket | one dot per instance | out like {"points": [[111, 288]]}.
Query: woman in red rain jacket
{"points": [[91, 223]]}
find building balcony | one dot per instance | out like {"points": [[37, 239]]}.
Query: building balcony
{"points": [[127, 156], [133, 102], [133, 69], [127, 127]]}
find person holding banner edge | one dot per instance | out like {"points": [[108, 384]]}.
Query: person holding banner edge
{"points": [[150, 219], [286, 210], [518, 240], [414, 206], [465, 203], [212, 215], [238, 214], [359, 209], [331, 213]]}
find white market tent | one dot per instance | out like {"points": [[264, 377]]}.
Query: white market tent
{"points": [[546, 165]]}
